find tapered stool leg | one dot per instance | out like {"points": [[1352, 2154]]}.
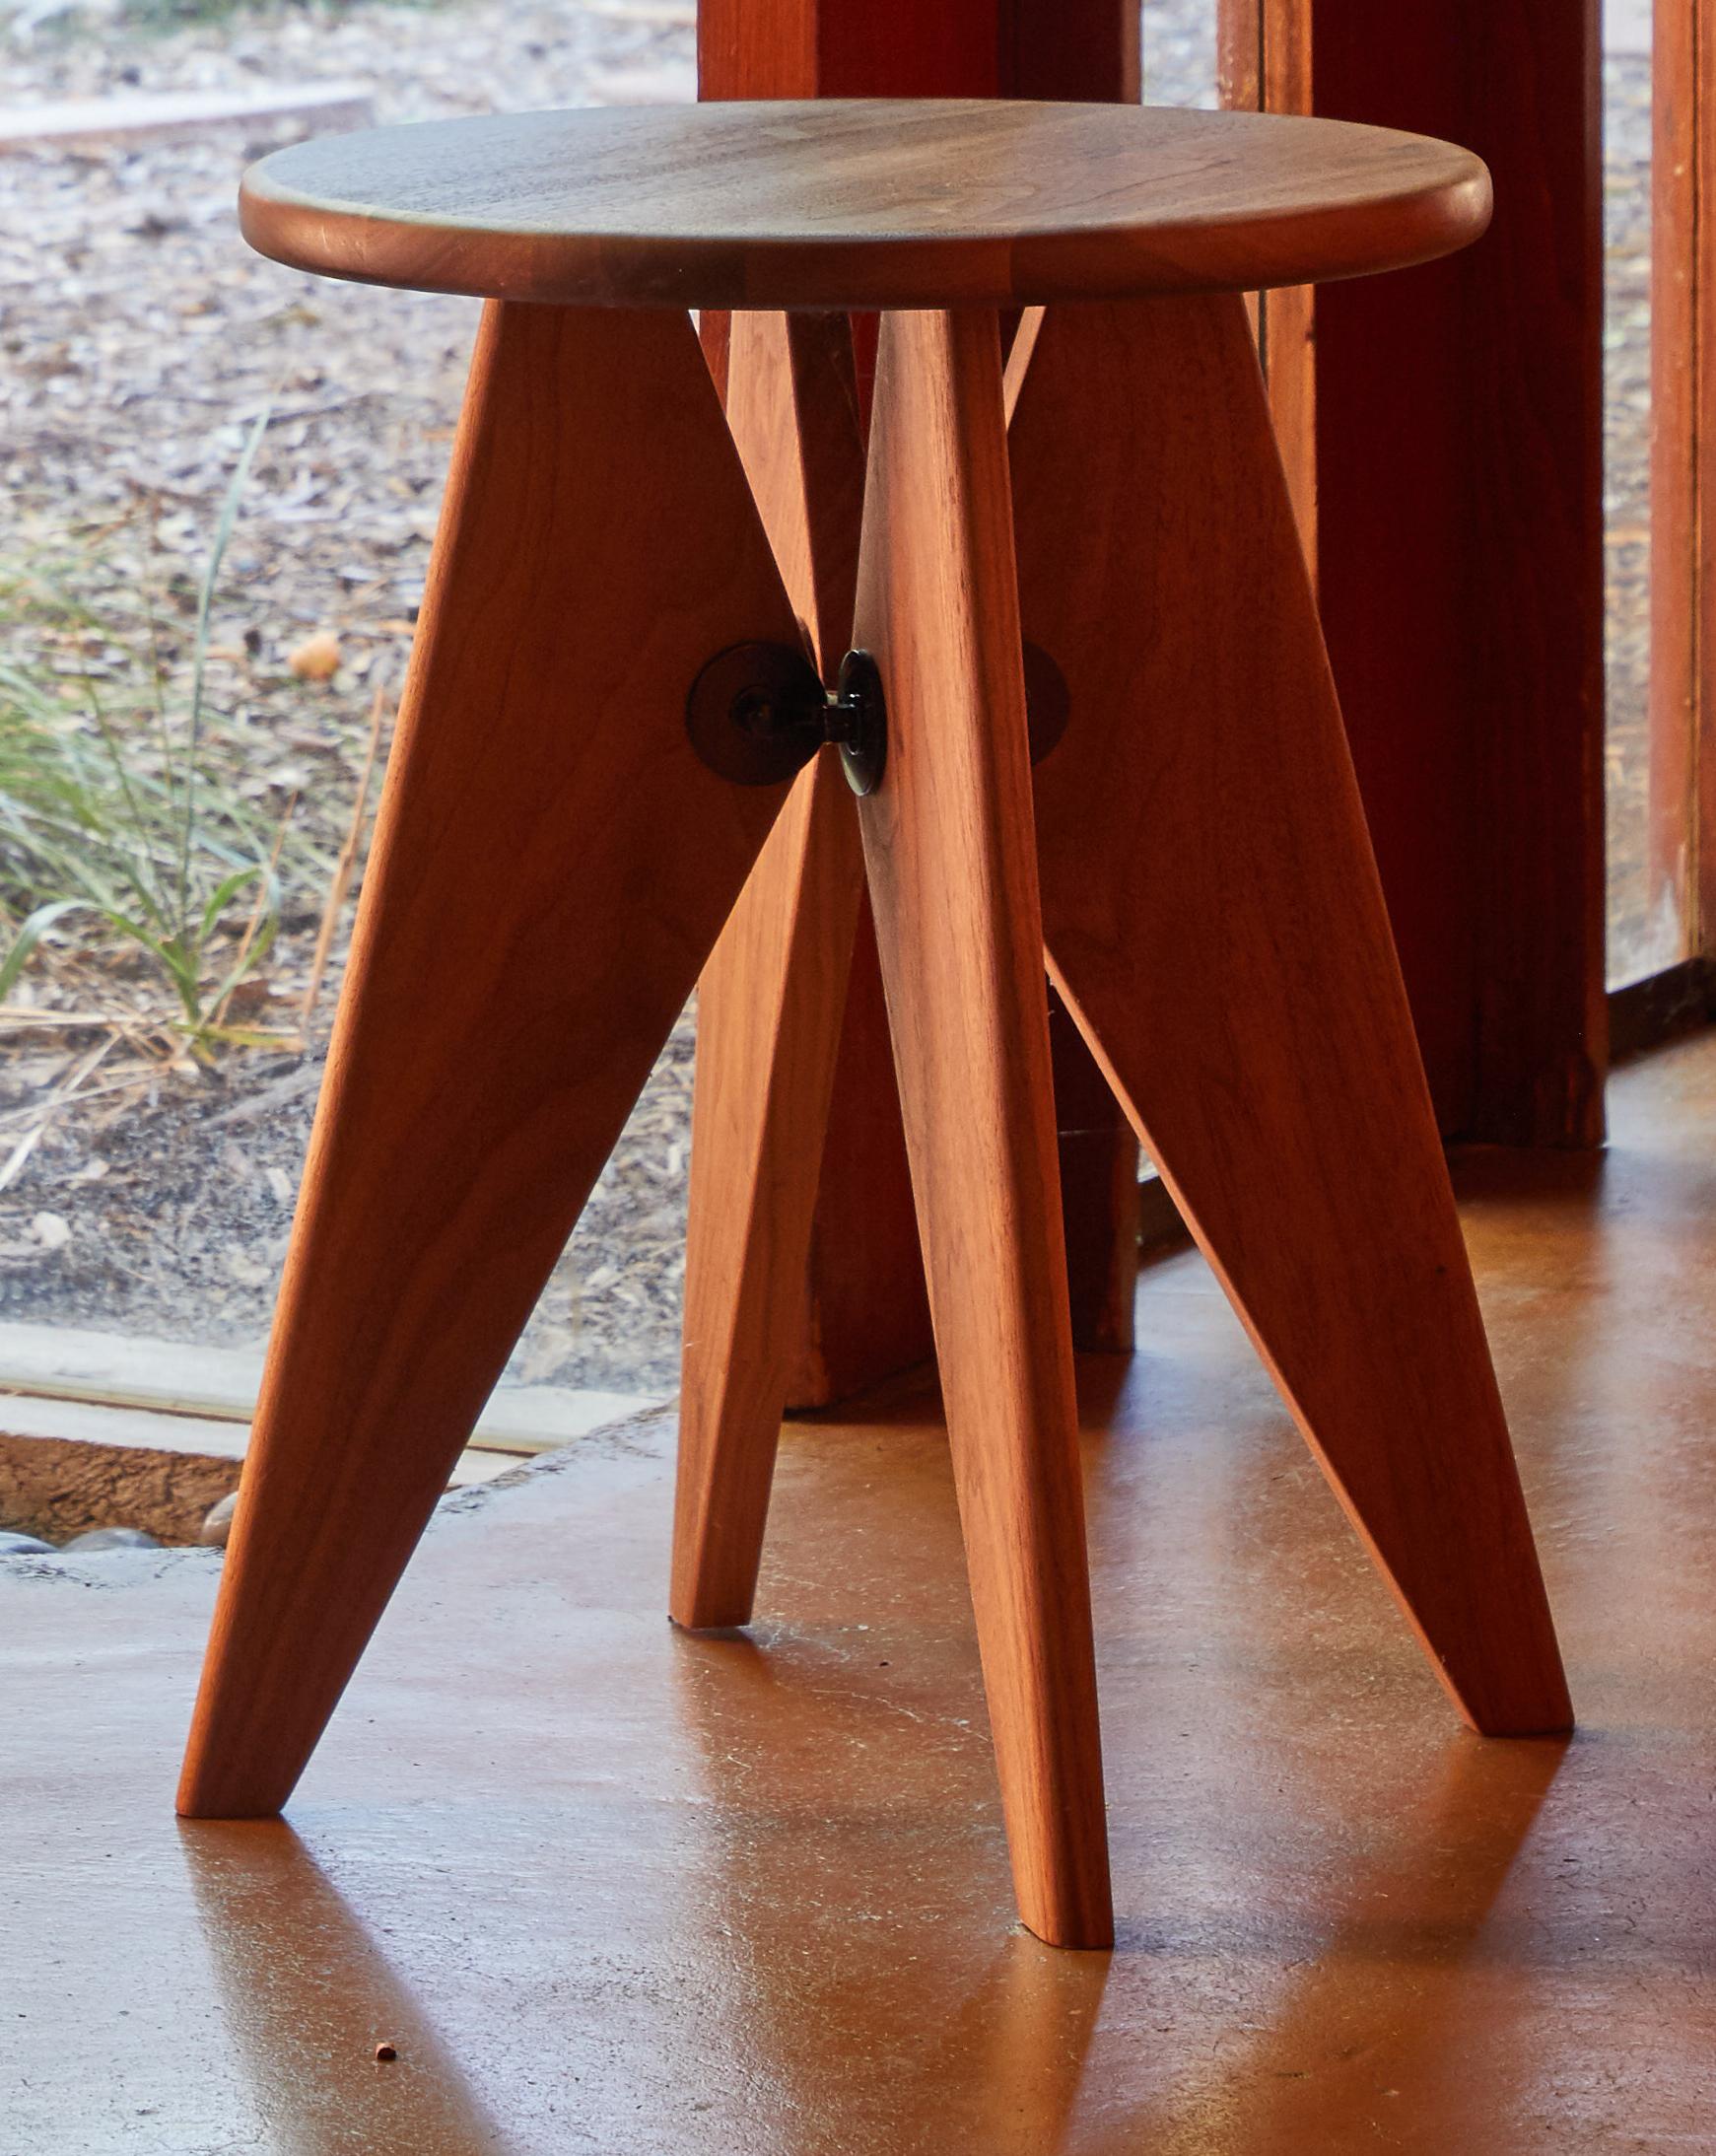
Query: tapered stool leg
{"points": [[768, 1027], [772, 997], [553, 864], [950, 856], [1215, 923]]}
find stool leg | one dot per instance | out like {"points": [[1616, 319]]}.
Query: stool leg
{"points": [[952, 873], [768, 1026], [1214, 920], [792, 406], [552, 866], [772, 997]]}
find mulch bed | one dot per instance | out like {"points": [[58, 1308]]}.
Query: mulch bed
{"points": [[141, 339]]}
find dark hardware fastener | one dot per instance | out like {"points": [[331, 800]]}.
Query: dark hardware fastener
{"points": [[757, 712]]}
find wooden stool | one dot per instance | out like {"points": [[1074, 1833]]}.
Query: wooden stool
{"points": [[609, 705]]}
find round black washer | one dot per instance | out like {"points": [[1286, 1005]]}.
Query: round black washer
{"points": [[754, 713]]}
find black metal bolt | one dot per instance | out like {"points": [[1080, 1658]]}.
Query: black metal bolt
{"points": [[758, 712]]}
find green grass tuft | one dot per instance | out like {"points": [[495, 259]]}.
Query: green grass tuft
{"points": [[112, 821]]}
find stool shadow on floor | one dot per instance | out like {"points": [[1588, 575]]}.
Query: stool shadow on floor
{"points": [[309, 1996], [1374, 2038], [1402, 1962], [876, 2050], [1012, 2049]]}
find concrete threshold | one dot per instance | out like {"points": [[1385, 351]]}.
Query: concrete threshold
{"points": [[106, 1388]]}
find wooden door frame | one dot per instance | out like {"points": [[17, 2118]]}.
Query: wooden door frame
{"points": [[1451, 489]]}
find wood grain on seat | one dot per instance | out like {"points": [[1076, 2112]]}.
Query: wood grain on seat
{"points": [[862, 202]]}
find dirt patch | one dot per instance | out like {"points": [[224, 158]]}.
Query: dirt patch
{"points": [[171, 1213], [56, 1488]]}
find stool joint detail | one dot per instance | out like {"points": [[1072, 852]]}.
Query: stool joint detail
{"points": [[757, 712]]}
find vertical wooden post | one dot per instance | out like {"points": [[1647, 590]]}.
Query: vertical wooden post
{"points": [[865, 1314], [899, 49], [1457, 476], [1264, 64]]}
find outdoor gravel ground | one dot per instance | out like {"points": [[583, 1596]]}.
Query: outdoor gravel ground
{"points": [[138, 342]]}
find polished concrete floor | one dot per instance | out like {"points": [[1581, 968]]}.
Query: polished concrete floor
{"points": [[606, 1888]]}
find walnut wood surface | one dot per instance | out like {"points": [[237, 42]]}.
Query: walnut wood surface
{"points": [[859, 203], [1214, 921], [1459, 480], [552, 866], [867, 1315], [792, 404], [951, 861], [771, 1000], [768, 1026], [957, 48]]}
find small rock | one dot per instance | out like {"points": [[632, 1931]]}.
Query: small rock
{"points": [[317, 658], [218, 1525], [113, 1538], [52, 1230], [12, 1545]]}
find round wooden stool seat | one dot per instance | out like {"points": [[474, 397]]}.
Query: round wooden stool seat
{"points": [[863, 203]]}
